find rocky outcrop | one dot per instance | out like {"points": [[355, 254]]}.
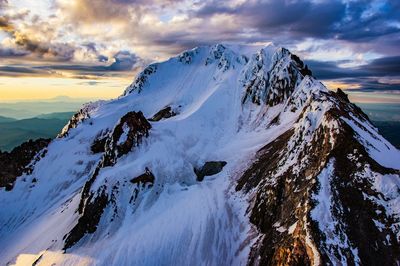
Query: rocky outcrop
{"points": [[17, 162], [79, 117], [187, 56], [87, 223], [99, 144], [164, 113], [208, 169], [146, 178], [141, 80], [127, 134]]}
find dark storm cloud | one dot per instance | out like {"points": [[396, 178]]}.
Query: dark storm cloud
{"points": [[18, 69], [382, 74], [123, 61], [354, 20], [329, 70], [385, 66], [369, 84], [381, 67], [22, 71]]}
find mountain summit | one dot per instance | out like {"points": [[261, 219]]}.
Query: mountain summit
{"points": [[222, 155]]}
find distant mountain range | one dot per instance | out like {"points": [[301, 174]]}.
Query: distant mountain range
{"points": [[24, 120], [29, 109], [14, 132]]}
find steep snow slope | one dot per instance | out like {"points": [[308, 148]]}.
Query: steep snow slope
{"points": [[118, 186]]}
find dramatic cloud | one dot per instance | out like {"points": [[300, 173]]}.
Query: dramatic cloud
{"points": [[122, 63], [379, 75], [341, 39], [29, 44]]}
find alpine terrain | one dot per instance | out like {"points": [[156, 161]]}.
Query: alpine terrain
{"points": [[222, 155]]}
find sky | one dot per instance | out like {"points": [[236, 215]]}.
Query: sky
{"points": [[93, 49]]}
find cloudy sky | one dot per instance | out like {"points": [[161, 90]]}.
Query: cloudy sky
{"points": [[93, 48]]}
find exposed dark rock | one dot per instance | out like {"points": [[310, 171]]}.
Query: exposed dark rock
{"points": [[37, 260], [260, 169], [145, 178], [215, 54], [77, 118], [305, 71], [98, 145], [163, 114], [137, 127], [359, 212], [303, 68], [134, 127], [16, 162], [142, 79], [277, 201], [187, 56], [86, 188], [89, 220], [208, 169], [341, 95]]}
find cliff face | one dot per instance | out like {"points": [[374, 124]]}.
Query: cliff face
{"points": [[222, 155], [19, 161]]}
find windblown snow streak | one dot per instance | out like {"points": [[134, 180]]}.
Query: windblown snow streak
{"points": [[222, 155]]}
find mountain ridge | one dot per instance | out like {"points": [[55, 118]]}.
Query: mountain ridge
{"points": [[123, 172]]}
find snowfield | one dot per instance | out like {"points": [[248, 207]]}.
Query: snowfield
{"points": [[177, 220]]}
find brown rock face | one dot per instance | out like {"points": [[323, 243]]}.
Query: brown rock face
{"points": [[15, 163], [284, 200], [135, 126], [163, 114]]}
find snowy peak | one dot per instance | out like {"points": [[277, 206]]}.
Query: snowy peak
{"points": [[221, 155], [269, 76]]}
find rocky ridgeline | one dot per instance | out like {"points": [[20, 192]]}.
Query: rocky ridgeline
{"points": [[292, 232], [275, 82]]}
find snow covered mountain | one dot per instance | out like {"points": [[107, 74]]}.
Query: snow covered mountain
{"points": [[222, 155]]}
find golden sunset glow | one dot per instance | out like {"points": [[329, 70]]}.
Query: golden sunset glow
{"points": [[25, 88]]}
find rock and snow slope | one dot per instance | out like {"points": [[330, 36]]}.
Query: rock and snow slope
{"points": [[307, 179]]}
